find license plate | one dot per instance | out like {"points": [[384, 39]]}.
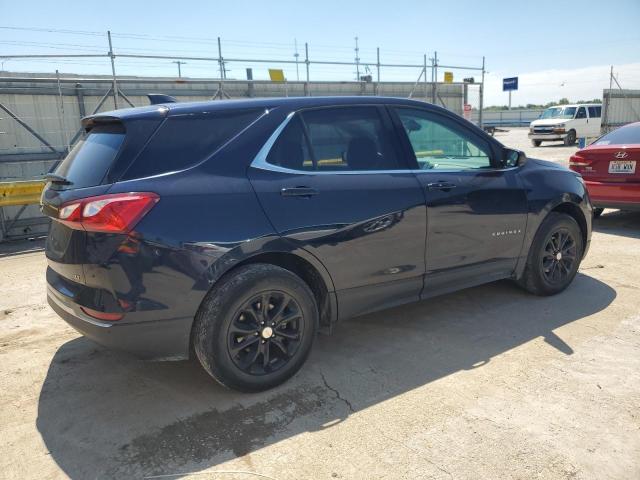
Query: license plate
{"points": [[622, 166]]}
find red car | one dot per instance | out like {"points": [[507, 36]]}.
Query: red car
{"points": [[611, 169]]}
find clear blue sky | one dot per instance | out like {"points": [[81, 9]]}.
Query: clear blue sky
{"points": [[515, 37]]}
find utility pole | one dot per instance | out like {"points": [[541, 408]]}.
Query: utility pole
{"points": [[481, 107], [357, 50], [307, 93], [223, 70], [113, 71], [296, 55], [179, 62], [378, 71], [611, 78]]}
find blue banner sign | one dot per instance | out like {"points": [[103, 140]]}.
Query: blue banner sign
{"points": [[509, 84]]}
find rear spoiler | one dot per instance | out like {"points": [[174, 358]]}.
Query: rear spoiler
{"points": [[156, 98]]}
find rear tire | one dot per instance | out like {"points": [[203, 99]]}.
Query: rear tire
{"points": [[554, 256], [255, 328], [536, 143], [570, 139]]}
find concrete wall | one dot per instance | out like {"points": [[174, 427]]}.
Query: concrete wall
{"points": [[507, 118]]}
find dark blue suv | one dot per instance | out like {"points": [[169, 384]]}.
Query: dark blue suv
{"points": [[236, 230]]}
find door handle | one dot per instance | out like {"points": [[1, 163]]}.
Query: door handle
{"points": [[440, 186], [298, 192]]}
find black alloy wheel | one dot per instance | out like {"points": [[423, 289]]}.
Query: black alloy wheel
{"points": [[559, 256], [265, 333], [255, 328], [554, 255]]}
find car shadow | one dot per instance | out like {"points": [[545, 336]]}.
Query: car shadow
{"points": [[103, 414], [618, 222], [19, 247]]}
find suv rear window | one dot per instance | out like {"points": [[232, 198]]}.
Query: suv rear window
{"points": [[90, 160], [185, 140]]}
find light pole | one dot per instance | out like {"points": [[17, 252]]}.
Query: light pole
{"points": [[179, 62]]}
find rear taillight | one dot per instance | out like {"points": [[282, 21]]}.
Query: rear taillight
{"points": [[577, 163], [113, 213]]}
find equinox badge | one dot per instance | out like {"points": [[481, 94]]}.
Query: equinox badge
{"points": [[506, 232]]}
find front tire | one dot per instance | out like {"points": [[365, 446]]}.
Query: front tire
{"points": [[536, 143], [254, 330], [554, 256], [570, 139]]}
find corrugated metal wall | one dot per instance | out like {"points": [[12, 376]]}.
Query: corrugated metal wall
{"points": [[619, 108]]}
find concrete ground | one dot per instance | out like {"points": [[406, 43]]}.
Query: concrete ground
{"points": [[489, 382]]}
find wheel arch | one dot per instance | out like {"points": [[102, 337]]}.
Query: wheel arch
{"points": [[563, 204], [277, 251], [298, 262], [309, 273], [576, 213]]}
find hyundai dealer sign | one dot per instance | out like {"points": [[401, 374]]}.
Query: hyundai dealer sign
{"points": [[509, 84]]}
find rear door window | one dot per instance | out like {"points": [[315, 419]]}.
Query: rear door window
{"points": [[89, 161], [354, 138], [186, 140], [336, 139]]}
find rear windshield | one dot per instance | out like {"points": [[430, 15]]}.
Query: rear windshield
{"points": [[90, 160], [183, 141], [622, 136]]}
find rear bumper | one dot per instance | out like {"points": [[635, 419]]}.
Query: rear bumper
{"points": [[150, 340], [624, 196]]}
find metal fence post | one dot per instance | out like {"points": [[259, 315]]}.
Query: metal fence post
{"points": [[426, 83], [222, 70], [481, 95], [80, 97], [307, 93], [63, 126], [435, 77], [433, 80], [113, 71], [377, 90]]}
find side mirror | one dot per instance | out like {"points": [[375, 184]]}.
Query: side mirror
{"points": [[513, 158], [411, 125]]}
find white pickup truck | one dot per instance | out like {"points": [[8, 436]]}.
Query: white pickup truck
{"points": [[566, 123]]}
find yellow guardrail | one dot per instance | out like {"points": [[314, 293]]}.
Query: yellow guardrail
{"points": [[20, 193]]}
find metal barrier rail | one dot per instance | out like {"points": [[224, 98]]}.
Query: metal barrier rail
{"points": [[20, 193]]}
